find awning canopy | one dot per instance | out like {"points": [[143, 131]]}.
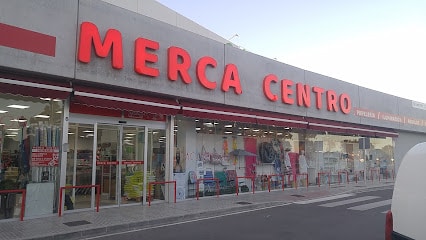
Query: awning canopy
{"points": [[349, 128], [105, 98], [235, 114], [57, 90]]}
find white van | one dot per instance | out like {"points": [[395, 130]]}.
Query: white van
{"points": [[406, 218]]}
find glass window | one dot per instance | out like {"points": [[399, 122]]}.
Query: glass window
{"points": [[272, 156], [30, 140]]}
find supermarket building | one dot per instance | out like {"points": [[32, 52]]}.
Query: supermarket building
{"points": [[133, 104]]}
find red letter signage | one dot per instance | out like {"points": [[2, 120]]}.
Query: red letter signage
{"points": [[231, 79], [89, 33], [303, 95], [179, 63], [286, 91], [201, 72], [142, 57], [267, 87]]}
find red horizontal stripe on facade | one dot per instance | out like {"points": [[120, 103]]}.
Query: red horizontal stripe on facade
{"points": [[27, 40]]}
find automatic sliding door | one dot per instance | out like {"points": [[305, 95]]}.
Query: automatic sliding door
{"points": [[133, 140], [157, 163], [107, 153], [79, 166]]}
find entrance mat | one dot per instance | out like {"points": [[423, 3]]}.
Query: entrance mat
{"points": [[243, 203], [297, 195], [77, 223]]}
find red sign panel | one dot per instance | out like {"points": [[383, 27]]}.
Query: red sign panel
{"points": [[44, 156]]}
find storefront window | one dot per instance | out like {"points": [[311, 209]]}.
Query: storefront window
{"points": [[30, 139], [235, 152]]}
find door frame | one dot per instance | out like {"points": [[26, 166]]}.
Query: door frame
{"points": [[120, 122]]}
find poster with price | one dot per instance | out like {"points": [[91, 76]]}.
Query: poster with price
{"points": [[44, 156]]}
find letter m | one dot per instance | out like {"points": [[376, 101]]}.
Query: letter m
{"points": [[89, 33]]}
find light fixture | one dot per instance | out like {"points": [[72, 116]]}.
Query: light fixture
{"points": [[3, 111], [228, 126], [208, 124], [18, 106], [42, 116]]}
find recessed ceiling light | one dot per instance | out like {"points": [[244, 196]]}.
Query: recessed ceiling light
{"points": [[3, 111], [46, 99], [13, 129], [197, 128], [58, 111], [228, 126], [228, 132], [9, 135], [41, 116], [18, 120], [88, 131], [208, 124], [18, 106], [71, 133]]}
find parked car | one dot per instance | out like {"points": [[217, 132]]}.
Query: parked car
{"points": [[406, 218]]}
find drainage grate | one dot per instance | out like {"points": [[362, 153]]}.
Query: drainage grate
{"points": [[77, 223], [297, 195], [243, 203]]}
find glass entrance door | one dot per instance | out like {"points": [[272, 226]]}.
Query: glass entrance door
{"points": [[132, 164], [107, 162], [118, 158], [79, 166]]}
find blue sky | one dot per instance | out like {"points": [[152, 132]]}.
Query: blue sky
{"points": [[378, 44]]}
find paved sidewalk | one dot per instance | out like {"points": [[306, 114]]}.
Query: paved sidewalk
{"points": [[78, 225]]}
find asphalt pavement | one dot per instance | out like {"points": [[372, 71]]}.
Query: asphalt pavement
{"points": [[88, 223]]}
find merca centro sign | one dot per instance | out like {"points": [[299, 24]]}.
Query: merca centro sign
{"points": [[179, 62]]}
